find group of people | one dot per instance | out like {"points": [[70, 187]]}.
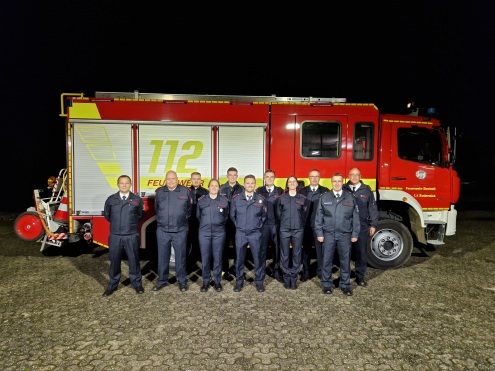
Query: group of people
{"points": [[292, 221]]}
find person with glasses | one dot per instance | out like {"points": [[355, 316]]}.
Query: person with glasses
{"points": [[312, 192]]}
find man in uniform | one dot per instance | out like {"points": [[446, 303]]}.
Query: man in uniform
{"points": [[368, 218], [312, 192], [337, 227], [248, 213], [193, 254], [269, 232], [124, 210], [229, 190], [173, 205]]}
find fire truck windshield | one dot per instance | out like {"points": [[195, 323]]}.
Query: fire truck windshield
{"points": [[421, 145]]}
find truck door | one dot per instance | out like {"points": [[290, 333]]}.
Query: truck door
{"points": [[417, 165], [304, 142]]}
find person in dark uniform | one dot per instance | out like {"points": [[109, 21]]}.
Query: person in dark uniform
{"points": [[292, 209], [193, 253], [212, 212], [300, 185], [368, 218], [229, 190], [173, 205], [269, 232], [248, 212], [337, 227], [124, 210], [313, 192]]}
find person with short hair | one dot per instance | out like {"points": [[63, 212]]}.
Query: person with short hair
{"points": [[124, 210], [269, 232], [229, 190], [197, 191], [368, 218], [173, 203], [337, 227], [313, 192], [248, 213]]}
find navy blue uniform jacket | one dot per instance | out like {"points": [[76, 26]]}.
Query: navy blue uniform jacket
{"points": [[368, 211], [247, 215], [124, 216], [292, 211], [337, 218], [271, 217], [173, 208], [229, 192], [313, 197], [212, 213]]}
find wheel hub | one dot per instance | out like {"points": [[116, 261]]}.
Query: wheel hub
{"points": [[386, 244]]}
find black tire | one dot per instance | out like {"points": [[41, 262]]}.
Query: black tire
{"points": [[391, 246]]}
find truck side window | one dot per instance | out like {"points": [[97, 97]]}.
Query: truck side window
{"points": [[363, 141], [420, 145], [321, 139]]}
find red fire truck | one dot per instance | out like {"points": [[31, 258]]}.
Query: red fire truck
{"points": [[406, 159]]}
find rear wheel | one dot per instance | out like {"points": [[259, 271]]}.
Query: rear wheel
{"points": [[28, 226], [391, 246]]}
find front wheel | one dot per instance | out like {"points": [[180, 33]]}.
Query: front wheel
{"points": [[391, 246], [28, 226]]}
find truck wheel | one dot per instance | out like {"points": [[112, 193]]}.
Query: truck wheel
{"points": [[28, 226], [391, 246]]}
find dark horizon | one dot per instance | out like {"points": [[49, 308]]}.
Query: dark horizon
{"points": [[388, 54]]}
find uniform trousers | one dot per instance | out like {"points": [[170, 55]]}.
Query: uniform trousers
{"points": [[229, 238], [361, 259], [309, 241], [269, 233], [117, 245], [242, 240], [286, 237], [343, 245], [165, 241], [211, 244]]}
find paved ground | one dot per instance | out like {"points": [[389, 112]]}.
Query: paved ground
{"points": [[436, 313]]}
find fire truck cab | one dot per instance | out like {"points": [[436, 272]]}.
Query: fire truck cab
{"points": [[405, 159]]}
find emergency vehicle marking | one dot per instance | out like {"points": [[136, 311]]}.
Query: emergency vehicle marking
{"points": [[101, 150], [409, 122], [84, 110], [182, 161]]}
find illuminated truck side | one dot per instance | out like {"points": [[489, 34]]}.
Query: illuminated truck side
{"points": [[145, 135]]}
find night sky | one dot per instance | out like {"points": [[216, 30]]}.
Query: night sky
{"points": [[437, 53]]}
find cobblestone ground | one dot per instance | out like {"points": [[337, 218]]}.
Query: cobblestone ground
{"points": [[435, 313]]}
